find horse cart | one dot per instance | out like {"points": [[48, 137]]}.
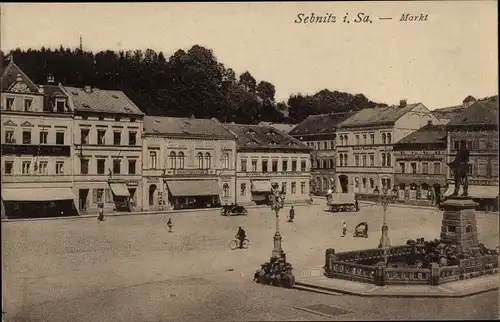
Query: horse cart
{"points": [[338, 202]]}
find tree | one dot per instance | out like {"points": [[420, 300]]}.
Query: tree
{"points": [[248, 82], [266, 91]]}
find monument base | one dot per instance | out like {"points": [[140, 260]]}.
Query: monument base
{"points": [[458, 226]]}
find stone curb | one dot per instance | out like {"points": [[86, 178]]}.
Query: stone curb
{"points": [[144, 213], [395, 294]]}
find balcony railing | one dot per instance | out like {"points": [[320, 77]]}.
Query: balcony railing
{"points": [[279, 173], [32, 149]]}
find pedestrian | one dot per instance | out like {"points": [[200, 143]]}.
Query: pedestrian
{"points": [[101, 214], [291, 214], [344, 228], [170, 225]]}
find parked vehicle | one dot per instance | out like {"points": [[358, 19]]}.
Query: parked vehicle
{"points": [[342, 202], [361, 230], [233, 210]]}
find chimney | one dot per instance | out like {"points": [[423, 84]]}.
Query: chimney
{"points": [[87, 89], [50, 79], [41, 89], [19, 78], [402, 103]]}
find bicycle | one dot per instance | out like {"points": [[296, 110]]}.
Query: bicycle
{"points": [[235, 243]]}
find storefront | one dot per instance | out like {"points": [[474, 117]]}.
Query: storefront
{"points": [[39, 202], [121, 196], [193, 194], [261, 189]]}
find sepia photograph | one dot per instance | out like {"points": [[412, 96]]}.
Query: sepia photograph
{"points": [[249, 161]]}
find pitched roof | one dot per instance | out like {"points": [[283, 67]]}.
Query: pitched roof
{"points": [[13, 74], [264, 136], [50, 93], [429, 134], [448, 112], [101, 101], [280, 126], [320, 124], [377, 116], [192, 127], [482, 112]]}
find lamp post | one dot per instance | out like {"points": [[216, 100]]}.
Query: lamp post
{"points": [[277, 201], [384, 199]]}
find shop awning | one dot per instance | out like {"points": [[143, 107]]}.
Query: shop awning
{"points": [[259, 197], [39, 194], [119, 189], [194, 188], [475, 191], [261, 186]]}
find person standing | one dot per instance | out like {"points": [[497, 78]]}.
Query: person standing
{"points": [[100, 204], [344, 228], [170, 225], [291, 215]]}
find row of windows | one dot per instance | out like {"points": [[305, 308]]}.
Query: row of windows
{"points": [[101, 166], [60, 104], [176, 160], [34, 168], [323, 163], [425, 168], [28, 139], [325, 145], [365, 160], [480, 145], [369, 183], [274, 166], [386, 138], [101, 137], [293, 188]]}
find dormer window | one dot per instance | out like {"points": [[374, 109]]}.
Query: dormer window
{"points": [[60, 105], [27, 104], [10, 103]]}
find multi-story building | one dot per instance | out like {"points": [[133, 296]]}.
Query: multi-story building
{"points": [[107, 154], [188, 163], [365, 141], [478, 127], [318, 132], [420, 165], [37, 129], [446, 114], [267, 156]]}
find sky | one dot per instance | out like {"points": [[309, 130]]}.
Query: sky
{"points": [[438, 62]]}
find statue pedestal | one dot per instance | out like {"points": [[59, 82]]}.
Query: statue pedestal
{"points": [[458, 226]]}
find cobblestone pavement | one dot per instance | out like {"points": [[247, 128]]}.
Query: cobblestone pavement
{"points": [[132, 269]]}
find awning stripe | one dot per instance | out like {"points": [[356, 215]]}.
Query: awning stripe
{"points": [[38, 194], [119, 189], [194, 188]]}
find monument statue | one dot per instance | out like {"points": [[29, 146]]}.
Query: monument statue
{"points": [[459, 167]]}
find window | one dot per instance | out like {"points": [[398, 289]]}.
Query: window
{"points": [[243, 189], [341, 140], [356, 160], [27, 105], [482, 145], [388, 157], [364, 183], [383, 159], [294, 188], [388, 183], [325, 146], [456, 145], [225, 160], [59, 167], [84, 166], [469, 169], [10, 103], [494, 168], [388, 138], [264, 165], [383, 138], [9, 137], [345, 160], [42, 167], [117, 119], [132, 119], [283, 187], [468, 228], [469, 145], [117, 138], [254, 165], [356, 182], [372, 160], [152, 160], [357, 139], [101, 137], [60, 105], [302, 187], [26, 137], [303, 165], [437, 168], [284, 165], [60, 138], [413, 167], [180, 158], [364, 160], [372, 183], [101, 165], [482, 168], [402, 167], [364, 139], [425, 167], [199, 157], [208, 161], [225, 190], [294, 165], [332, 145], [172, 160], [26, 167], [274, 165], [372, 138], [9, 166], [341, 160], [452, 229], [131, 166], [84, 134], [243, 165], [116, 166], [132, 138]]}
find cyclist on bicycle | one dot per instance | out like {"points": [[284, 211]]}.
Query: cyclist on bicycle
{"points": [[241, 235]]}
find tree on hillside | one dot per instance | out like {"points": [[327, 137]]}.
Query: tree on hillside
{"points": [[248, 82]]}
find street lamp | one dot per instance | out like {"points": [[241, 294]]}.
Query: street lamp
{"points": [[277, 202], [384, 199]]}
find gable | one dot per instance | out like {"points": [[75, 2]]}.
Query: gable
{"points": [[27, 124], [15, 80], [9, 123]]}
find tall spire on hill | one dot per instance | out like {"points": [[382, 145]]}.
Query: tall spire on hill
{"points": [[81, 43]]}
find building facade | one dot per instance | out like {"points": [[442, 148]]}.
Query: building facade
{"points": [[420, 165], [318, 132], [107, 144], [267, 156], [365, 140], [37, 128], [188, 163], [478, 127]]}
